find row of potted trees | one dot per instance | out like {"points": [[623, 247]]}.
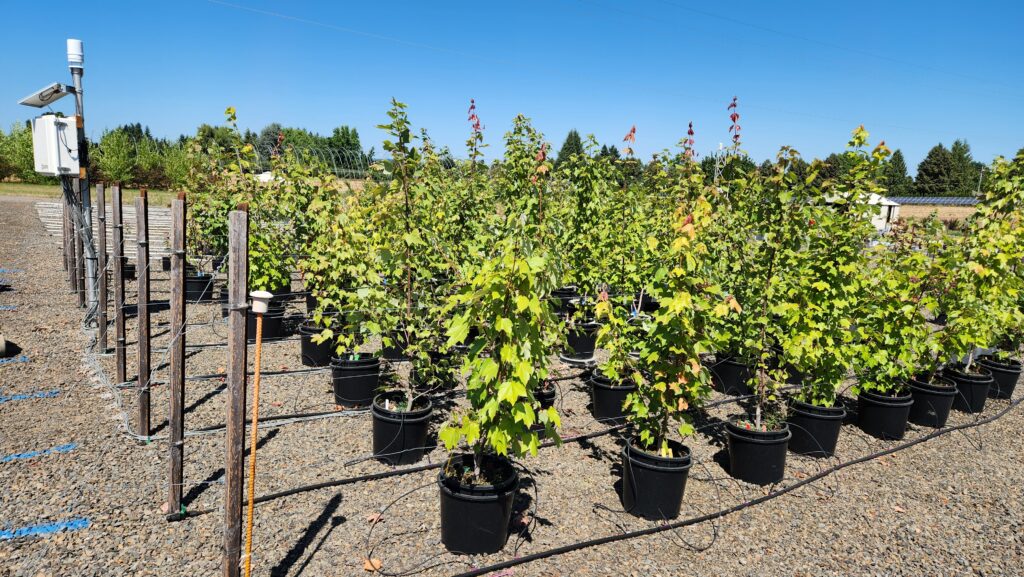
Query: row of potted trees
{"points": [[748, 280]]}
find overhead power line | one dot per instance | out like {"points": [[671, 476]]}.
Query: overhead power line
{"points": [[565, 72]]}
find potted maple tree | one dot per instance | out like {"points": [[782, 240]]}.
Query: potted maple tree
{"points": [[656, 465], [826, 290], [898, 378], [776, 233], [999, 216], [969, 299], [506, 299], [406, 262]]}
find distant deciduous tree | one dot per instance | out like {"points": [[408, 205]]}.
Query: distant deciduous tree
{"points": [[16, 155], [221, 136], [344, 138], [116, 156], [7, 167], [730, 165], [837, 164], [266, 142]]}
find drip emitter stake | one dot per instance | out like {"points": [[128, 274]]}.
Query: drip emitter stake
{"points": [[260, 300]]}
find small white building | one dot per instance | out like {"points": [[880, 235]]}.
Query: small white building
{"points": [[888, 212]]}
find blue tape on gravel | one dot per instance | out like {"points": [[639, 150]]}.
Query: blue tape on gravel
{"points": [[17, 359], [44, 529], [8, 308], [24, 396], [66, 448]]}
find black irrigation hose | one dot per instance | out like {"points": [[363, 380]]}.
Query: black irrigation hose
{"points": [[347, 481], [406, 470], [429, 466], [345, 413], [736, 508]]}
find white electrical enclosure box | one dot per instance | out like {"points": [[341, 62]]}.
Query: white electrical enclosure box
{"points": [[55, 145]]}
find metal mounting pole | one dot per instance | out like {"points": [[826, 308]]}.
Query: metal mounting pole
{"points": [[75, 63], [101, 218]]}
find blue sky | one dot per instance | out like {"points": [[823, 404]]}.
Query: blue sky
{"points": [[806, 73]]}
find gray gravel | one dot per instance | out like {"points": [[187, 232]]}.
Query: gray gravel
{"points": [[951, 506]]}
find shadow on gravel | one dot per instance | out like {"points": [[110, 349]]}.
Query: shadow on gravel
{"points": [[132, 311], [520, 523], [851, 409], [722, 459], [164, 365], [599, 453], [308, 536], [217, 476], [713, 428], [710, 426], [195, 405], [151, 337]]}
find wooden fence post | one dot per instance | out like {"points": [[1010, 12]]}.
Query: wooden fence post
{"points": [[238, 258], [142, 276], [76, 217], [176, 382], [120, 352], [101, 267]]}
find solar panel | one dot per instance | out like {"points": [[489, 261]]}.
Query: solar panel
{"points": [[936, 200]]}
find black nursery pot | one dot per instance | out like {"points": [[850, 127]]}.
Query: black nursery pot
{"points": [[971, 388], [815, 429], [546, 396], [653, 486], [313, 354], [273, 323], [607, 398], [732, 376], [395, 352], [757, 457], [400, 437], [932, 401], [883, 415], [562, 299], [199, 287], [355, 379], [582, 340], [646, 303], [1005, 374], [475, 518], [281, 294]]}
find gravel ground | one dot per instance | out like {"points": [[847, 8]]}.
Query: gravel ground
{"points": [[951, 506]]}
